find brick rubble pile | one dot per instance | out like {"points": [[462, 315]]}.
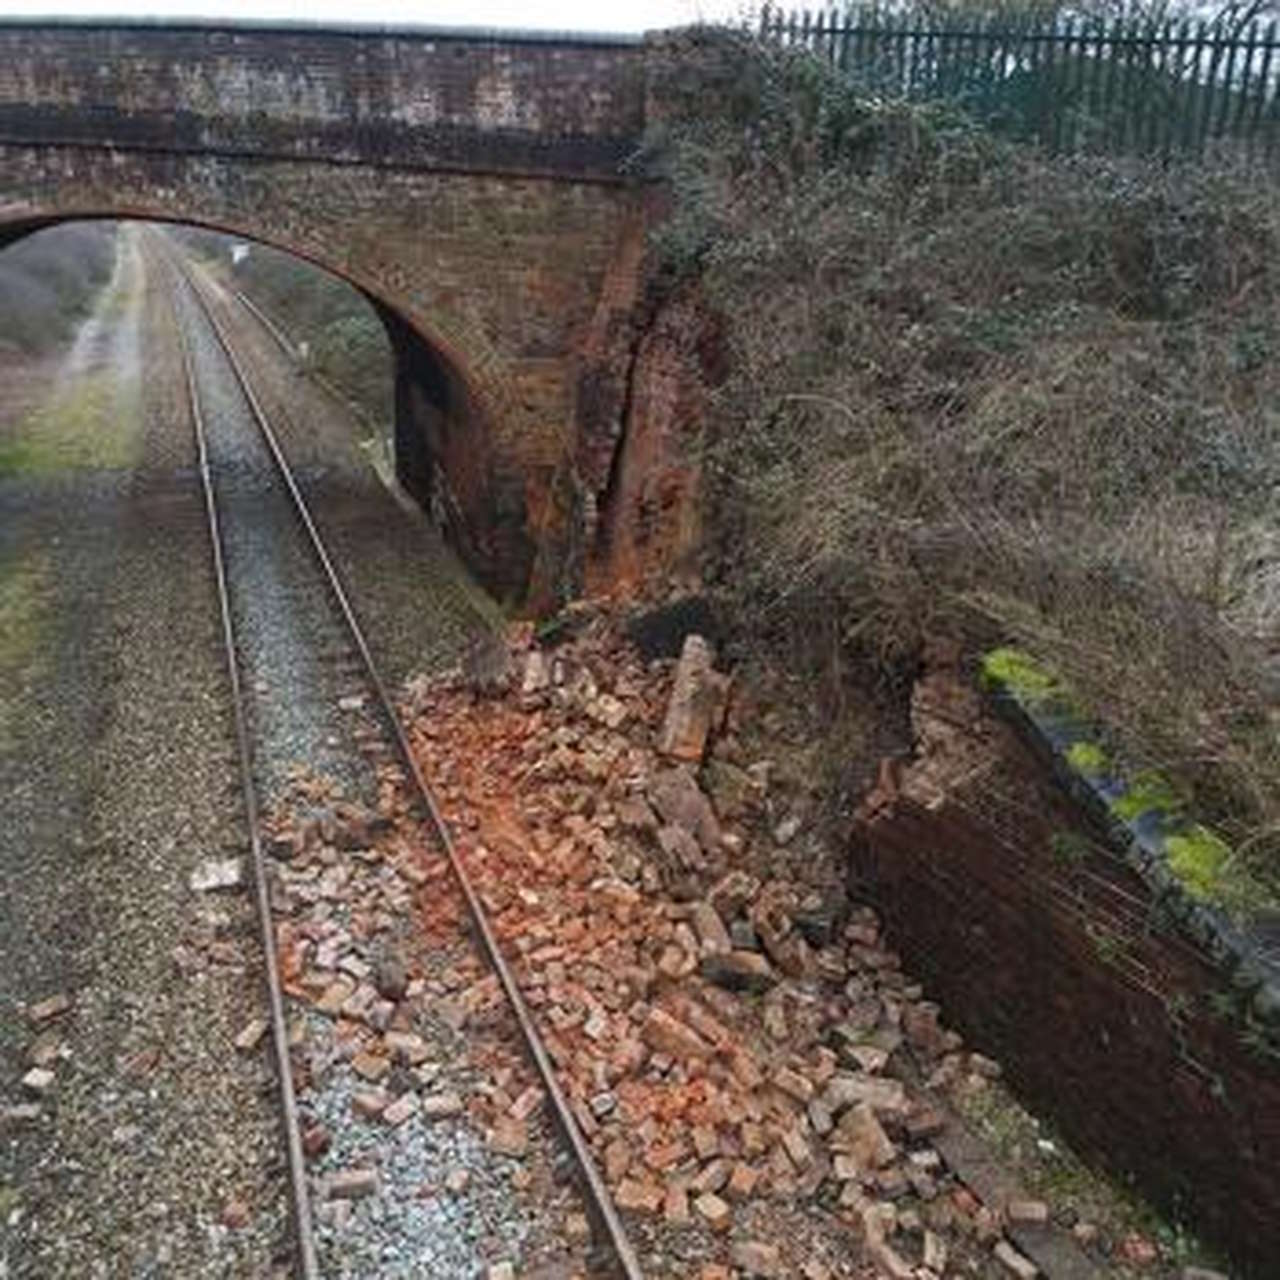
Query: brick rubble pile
{"points": [[729, 1031]]}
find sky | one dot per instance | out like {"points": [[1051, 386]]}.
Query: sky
{"points": [[560, 15]]}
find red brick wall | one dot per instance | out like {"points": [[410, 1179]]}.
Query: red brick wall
{"points": [[1048, 953]]}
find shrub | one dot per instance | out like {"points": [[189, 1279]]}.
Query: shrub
{"points": [[48, 281], [347, 342], [978, 391]]}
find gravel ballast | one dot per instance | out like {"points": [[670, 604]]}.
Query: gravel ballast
{"points": [[118, 776], [431, 1159]]}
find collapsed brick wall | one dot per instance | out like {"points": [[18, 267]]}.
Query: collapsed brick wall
{"points": [[1049, 953], [650, 521]]}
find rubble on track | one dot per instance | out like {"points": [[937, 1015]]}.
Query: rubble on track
{"points": [[422, 1123], [742, 1051]]}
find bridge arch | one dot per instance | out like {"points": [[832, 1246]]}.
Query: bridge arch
{"points": [[444, 409], [471, 185]]}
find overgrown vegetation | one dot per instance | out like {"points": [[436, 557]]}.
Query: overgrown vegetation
{"points": [[48, 281], [345, 339], [24, 617], [979, 393]]}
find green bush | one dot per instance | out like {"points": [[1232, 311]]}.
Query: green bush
{"points": [[347, 342]]}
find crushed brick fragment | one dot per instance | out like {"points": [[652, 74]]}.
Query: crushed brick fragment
{"points": [[757, 1259], [39, 1080], [49, 1008], [715, 1212], [662, 1031], [406, 1105], [1016, 1264], [639, 1197], [370, 1066], [251, 1035], [351, 1184]]}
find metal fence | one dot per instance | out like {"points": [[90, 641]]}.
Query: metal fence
{"points": [[1124, 86]]}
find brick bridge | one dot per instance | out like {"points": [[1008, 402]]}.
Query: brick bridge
{"points": [[473, 185]]}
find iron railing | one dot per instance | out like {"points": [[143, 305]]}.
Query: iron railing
{"points": [[1127, 86]]}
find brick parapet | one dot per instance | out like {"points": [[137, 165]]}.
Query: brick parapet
{"points": [[401, 101]]}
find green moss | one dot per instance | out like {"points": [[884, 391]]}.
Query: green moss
{"points": [[552, 630], [1020, 673], [1200, 860], [1088, 758], [1045, 1163], [1069, 848], [1149, 792]]}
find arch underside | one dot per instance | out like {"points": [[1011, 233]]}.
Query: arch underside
{"points": [[443, 428]]}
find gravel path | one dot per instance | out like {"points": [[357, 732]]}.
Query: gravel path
{"points": [[155, 1151]]}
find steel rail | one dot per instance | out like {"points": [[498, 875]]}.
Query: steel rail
{"points": [[603, 1211], [302, 366], [278, 335], [307, 1261], [306, 369]]}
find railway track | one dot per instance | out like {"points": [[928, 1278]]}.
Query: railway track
{"points": [[610, 1250]]}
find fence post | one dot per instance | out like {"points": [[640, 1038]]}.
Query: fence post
{"points": [[1228, 77], [1149, 113], [1055, 33], [1189, 73], [898, 54], [987, 70], [1247, 79], [1264, 79], [1272, 126], [1206, 116], [1138, 83], [1037, 51]]}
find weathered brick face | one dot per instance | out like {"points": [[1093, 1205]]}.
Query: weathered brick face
{"points": [[1052, 955], [472, 187]]}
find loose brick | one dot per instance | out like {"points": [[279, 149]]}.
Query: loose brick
{"points": [[406, 1105], [639, 1197], [51, 1007], [351, 1184], [716, 1213]]}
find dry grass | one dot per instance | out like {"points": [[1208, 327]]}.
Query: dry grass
{"points": [[979, 391]]}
